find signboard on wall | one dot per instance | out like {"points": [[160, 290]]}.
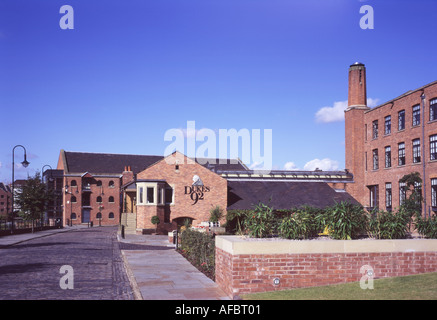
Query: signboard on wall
{"points": [[197, 190]]}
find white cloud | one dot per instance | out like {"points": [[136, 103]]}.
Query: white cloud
{"points": [[336, 112], [290, 166], [372, 102], [324, 164], [332, 114]]}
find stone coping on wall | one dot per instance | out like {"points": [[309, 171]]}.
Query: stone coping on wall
{"points": [[239, 245]]}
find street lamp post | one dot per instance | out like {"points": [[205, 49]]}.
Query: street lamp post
{"points": [[47, 188], [24, 163]]}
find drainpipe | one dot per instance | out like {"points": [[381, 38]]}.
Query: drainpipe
{"points": [[423, 154]]}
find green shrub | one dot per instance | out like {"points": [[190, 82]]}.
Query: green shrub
{"points": [[216, 214], [427, 227], [389, 225], [260, 222], [155, 220], [345, 220], [300, 225], [199, 249], [235, 221]]}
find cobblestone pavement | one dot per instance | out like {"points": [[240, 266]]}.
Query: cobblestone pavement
{"points": [[31, 270]]}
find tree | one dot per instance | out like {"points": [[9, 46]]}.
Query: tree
{"points": [[413, 204], [155, 220], [33, 199]]}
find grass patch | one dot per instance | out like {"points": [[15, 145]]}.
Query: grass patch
{"points": [[415, 287]]}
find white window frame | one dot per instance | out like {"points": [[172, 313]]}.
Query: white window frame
{"points": [[144, 186]]}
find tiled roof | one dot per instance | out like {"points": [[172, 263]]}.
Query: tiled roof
{"points": [[109, 163], [283, 195], [80, 162], [5, 187]]}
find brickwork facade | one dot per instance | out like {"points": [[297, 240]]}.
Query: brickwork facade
{"points": [[189, 200], [5, 201], [240, 274], [389, 141], [91, 198]]}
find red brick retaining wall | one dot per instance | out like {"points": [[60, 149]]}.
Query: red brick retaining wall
{"points": [[248, 273]]}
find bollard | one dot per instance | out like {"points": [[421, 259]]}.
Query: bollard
{"points": [[175, 239], [122, 231]]}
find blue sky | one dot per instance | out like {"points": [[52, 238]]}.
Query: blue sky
{"points": [[131, 70]]}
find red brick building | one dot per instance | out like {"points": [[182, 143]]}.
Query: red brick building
{"points": [[92, 184], [93, 187], [391, 140], [5, 200], [175, 191], [177, 188], [112, 189]]}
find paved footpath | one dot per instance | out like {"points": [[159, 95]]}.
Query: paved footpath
{"points": [[105, 267], [158, 272], [30, 268]]}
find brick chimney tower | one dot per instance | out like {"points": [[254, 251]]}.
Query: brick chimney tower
{"points": [[355, 129], [127, 175], [357, 97]]}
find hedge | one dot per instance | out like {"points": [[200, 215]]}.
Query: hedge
{"points": [[199, 248]]}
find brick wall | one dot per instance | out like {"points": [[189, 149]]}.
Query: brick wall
{"points": [[239, 273], [181, 179], [394, 173], [360, 143], [5, 203], [108, 189]]}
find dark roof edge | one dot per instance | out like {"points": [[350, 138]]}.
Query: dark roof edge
{"points": [[116, 154], [402, 96]]}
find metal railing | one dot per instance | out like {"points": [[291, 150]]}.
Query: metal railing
{"points": [[24, 224]]}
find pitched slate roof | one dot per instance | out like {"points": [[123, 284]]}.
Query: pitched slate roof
{"points": [[109, 163], [283, 195], [5, 187], [79, 162]]}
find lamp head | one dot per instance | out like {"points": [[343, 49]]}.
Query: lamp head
{"points": [[25, 163]]}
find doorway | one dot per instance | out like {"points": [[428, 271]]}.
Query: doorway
{"points": [[86, 213]]}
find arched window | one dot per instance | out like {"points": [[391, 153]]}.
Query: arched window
{"points": [[73, 199], [111, 199], [99, 199], [99, 215], [73, 183], [111, 215], [73, 216], [99, 183], [111, 184]]}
